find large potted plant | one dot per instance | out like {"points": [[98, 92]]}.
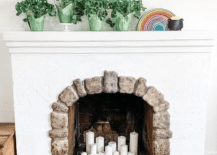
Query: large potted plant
{"points": [[96, 11], [123, 11], [35, 11]]}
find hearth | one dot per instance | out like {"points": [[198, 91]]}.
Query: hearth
{"points": [[110, 106]]}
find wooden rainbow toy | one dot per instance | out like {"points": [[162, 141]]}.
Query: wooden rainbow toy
{"points": [[155, 20]]}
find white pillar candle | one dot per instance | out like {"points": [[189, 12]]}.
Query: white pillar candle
{"points": [[116, 153], [124, 149], [131, 153], [121, 141], [134, 142], [108, 150], [89, 141], [93, 148], [84, 153], [113, 145], [100, 144], [102, 153]]}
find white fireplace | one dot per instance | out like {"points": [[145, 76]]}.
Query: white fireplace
{"points": [[175, 63]]}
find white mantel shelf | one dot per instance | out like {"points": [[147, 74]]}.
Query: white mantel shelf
{"points": [[120, 42]]}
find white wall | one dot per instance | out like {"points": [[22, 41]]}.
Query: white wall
{"points": [[198, 15]]}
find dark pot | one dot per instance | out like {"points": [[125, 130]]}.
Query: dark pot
{"points": [[175, 25]]}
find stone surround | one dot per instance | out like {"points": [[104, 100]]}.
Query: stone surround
{"points": [[110, 83]]}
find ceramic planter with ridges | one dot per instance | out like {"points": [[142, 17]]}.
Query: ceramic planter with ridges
{"points": [[122, 23], [65, 14], [36, 24], [95, 23]]}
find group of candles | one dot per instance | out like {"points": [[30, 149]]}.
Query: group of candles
{"points": [[112, 148]]}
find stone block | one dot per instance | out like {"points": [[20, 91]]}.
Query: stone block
{"points": [[161, 120], [58, 133], [126, 84], [140, 87], [60, 107], [153, 97], [69, 96], [59, 120], [94, 85], [59, 147], [162, 134], [162, 107], [161, 147], [110, 82], [80, 87]]}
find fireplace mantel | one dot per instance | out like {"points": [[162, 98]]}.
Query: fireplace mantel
{"points": [[45, 63], [119, 42]]}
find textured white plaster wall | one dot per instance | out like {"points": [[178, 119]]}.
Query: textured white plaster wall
{"points": [[198, 15], [36, 91]]}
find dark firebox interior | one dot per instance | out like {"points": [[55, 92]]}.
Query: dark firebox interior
{"points": [[124, 112]]}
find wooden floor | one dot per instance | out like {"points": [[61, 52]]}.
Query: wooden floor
{"points": [[7, 139]]}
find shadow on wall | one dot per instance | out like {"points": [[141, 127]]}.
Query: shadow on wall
{"points": [[6, 90]]}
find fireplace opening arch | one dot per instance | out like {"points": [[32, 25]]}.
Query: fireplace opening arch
{"points": [[65, 115]]}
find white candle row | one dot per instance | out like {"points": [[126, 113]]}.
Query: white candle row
{"points": [[110, 149], [104, 153]]}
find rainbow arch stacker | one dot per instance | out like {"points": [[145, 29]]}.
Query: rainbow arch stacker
{"points": [[155, 20]]}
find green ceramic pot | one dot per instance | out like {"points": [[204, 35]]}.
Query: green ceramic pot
{"points": [[95, 23], [122, 23], [36, 24], [65, 15]]}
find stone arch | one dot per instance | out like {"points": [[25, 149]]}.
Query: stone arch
{"points": [[110, 83]]}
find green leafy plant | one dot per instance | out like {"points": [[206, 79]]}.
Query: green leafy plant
{"points": [[96, 7], [78, 11], [35, 8], [79, 8], [125, 7]]}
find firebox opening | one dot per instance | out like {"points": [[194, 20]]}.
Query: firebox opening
{"points": [[110, 116]]}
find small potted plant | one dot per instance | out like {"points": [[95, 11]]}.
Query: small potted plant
{"points": [[96, 11], [35, 11], [66, 11], [122, 12]]}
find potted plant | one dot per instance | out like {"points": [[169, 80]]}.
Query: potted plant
{"points": [[35, 11], [96, 11], [69, 11], [65, 10], [122, 12]]}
